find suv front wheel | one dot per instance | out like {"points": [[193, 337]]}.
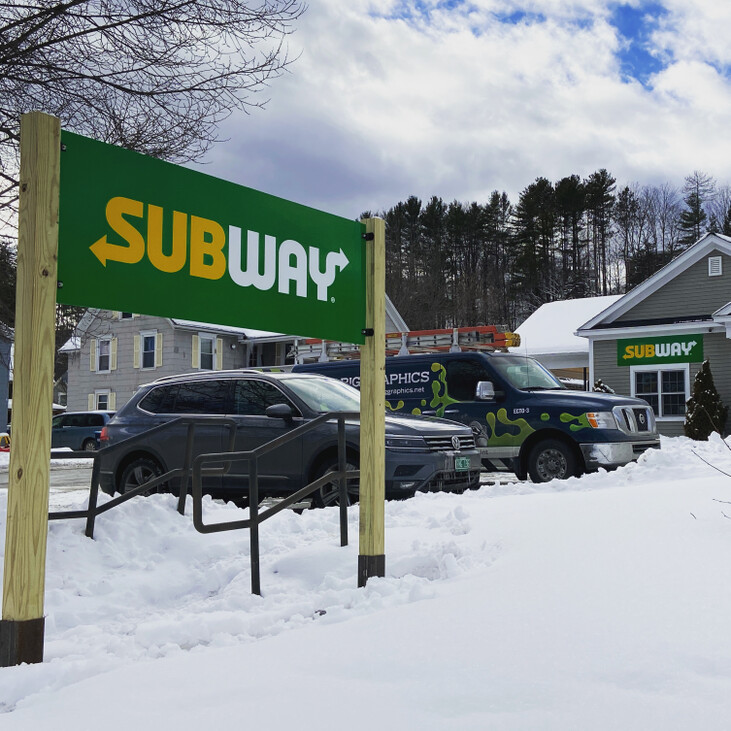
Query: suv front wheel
{"points": [[137, 472], [329, 493]]}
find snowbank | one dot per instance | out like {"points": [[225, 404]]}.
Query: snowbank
{"points": [[597, 603]]}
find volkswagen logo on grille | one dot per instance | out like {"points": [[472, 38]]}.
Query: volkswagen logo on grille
{"points": [[455, 442]]}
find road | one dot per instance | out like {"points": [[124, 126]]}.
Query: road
{"points": [[76, 474], [65, 474]]}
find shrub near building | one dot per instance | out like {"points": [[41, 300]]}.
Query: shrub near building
{"points": [[705, 411]]}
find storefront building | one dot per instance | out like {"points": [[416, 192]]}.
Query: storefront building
{"points": [[652, 341]]}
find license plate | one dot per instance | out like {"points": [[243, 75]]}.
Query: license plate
{"points": [[461, 464]]}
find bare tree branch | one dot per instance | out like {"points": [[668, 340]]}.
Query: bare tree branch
{"points": [[156, 76]]}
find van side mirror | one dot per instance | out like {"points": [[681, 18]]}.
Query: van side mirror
{"points": [[485, 391], [280, 411]]}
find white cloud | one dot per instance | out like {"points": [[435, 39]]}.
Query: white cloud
{"points": [[380, 107]]}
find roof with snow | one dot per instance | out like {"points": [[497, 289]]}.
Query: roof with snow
{"points": [[548, 334]]}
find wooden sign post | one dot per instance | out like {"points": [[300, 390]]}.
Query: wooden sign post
{"points": [[371, 555], [22, 625]]}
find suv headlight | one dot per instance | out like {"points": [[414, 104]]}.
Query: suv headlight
{"points": [[405, 442], [602, 419]]}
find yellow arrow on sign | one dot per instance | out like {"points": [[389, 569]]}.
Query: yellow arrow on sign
{"points": [[104, 251], [117, 209]]}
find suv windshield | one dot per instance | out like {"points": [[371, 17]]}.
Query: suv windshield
{"points": [[525, 373], [325, 394]]}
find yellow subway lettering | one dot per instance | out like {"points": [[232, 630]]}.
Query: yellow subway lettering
{"points": [[175, 260], [207, 239]]}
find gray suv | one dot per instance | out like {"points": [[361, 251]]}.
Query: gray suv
{"points": [[421, 454]]}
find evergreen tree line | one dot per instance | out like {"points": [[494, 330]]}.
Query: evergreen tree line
{"points": [[456, 264]]}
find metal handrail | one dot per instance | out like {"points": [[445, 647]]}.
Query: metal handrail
{"points": [[93, 509], [255, 518], [195, 467]]}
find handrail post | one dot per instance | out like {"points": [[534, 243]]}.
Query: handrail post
{"points": [[186, 474], [343, 483], [254, 529], [93, 498]]}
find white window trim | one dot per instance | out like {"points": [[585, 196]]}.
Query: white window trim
{"points": [[658, 368], [104, 339], [148, 334], [102, 392], [212, 338], [216, 351]]}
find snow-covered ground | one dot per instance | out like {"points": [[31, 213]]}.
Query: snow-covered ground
{"points": [[598, 603]]}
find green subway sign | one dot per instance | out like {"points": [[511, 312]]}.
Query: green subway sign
{"points": [[660, 349], [137, 234]]}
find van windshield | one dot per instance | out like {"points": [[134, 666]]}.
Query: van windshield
{"points": [[325, 394], [525, 373]]}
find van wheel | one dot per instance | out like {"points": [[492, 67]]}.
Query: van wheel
{"points": [[137, 472], [329, 493], [89, 445], [551, 459]]}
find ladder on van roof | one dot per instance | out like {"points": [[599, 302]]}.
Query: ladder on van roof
{"points": [[456, 339]]}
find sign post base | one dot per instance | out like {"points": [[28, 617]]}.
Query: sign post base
{"points": [[21, 641], [370, 566]]}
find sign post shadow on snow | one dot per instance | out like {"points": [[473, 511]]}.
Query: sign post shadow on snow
{"points": [[136, 234]]}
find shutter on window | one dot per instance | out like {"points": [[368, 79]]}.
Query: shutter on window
{"points": [[112, 401], [92, 354], [113, 355], [219, 354], [158, 350], [90, 402], [195, 352], [136, 352]]}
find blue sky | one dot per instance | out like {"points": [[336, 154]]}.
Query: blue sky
{"points": [[391, 98], [635, 26]]}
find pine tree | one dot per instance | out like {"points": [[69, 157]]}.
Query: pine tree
{"points": [[699, 191], [705, 411]]}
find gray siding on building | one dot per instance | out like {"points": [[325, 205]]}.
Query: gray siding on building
{"points": [[716, 349], [690, 293], [125, 379]]}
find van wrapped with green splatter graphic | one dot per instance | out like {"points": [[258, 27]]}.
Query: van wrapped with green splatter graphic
{"points": [[524, 419]]}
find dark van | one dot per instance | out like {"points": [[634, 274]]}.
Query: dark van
{"points": [[523, 418]]}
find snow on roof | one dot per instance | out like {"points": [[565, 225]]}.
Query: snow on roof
{"points": [[71, 345], [246, 332], [548, 334]]}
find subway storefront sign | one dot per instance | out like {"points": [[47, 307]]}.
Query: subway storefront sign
{"points": [[660, 349]]}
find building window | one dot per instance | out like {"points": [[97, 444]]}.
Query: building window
{"points": [[104, 355], [207, 352], [715, 266], [148, 350], [207, 346], [665, 389], [103, 399]]}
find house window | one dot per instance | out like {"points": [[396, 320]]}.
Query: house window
{"points": [[665, 389], [715, 266], [102, 400], [148, 350], [207, 352], [104, 355]]}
